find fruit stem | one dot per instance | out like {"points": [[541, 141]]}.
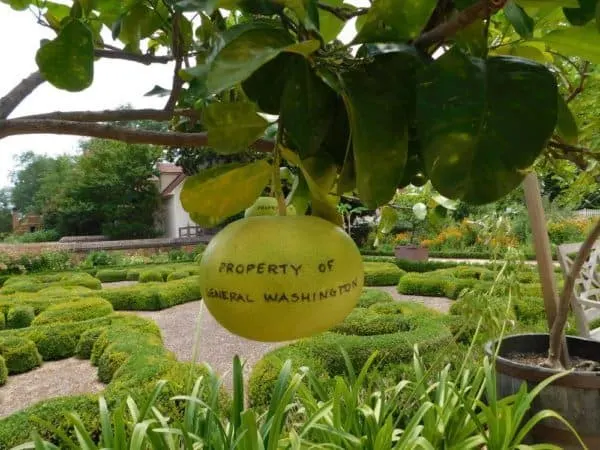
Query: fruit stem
{"points": [[277, 190]]}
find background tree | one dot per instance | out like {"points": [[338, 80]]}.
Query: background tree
{"points": [[109, 191], [5, 211], [27, 180]]}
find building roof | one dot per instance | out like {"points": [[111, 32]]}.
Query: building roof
{"points": [[172, 185], [165, 168]]}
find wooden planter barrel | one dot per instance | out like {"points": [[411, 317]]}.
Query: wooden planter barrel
{"points": [[411, 252], [576, 396]]}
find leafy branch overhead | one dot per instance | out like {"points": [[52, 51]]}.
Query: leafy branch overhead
{"points": [[466, 94]]}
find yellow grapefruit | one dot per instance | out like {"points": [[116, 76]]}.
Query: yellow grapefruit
{"points": [[267, 206], [273, 278]]}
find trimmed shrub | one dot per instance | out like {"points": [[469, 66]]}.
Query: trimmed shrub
{"points": [[133, 275], [84, 309], [79, 279], [111, 275], [391, 328], [133, 298], [426, 285], [149, 276], [457, 285], [87, 341], [20, 355], [370, 297], [530, 310], [382, 274], [178, 275], [19, 316], [132, 351], [369, 322], [109, 363], [21, 285], [3, 372], [179, 291]]}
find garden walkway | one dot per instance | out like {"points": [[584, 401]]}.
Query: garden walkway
{"points": [[54, 378]]}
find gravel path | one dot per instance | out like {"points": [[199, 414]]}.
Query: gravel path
{"points": [[53, 379], [441, 304], [217, 345]]}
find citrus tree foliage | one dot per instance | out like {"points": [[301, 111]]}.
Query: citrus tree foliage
{"points": [[467, 94]]}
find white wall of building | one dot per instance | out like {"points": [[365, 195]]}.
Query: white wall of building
{"points": [[176, 216]]}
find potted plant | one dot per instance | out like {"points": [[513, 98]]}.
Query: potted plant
{"points": [[412, 250], [531, 358]]}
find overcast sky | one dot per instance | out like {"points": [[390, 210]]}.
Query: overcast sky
{"points": [[115, 83]]}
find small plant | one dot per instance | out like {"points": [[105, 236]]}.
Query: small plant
{"points": [[363, 411], [99, 258]]}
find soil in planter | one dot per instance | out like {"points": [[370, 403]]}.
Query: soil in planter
{"points": [[535, 359]]}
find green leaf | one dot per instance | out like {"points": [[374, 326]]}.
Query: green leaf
{"points": [[546, 3], [248, 47], [232, 127], [521, 22], [225, 190], [414, 171], [158, 91], [566, 125], [55, 14], [330, 26], [306, 108], [388, 220], [319, 187], [299, 196], [18, 5], [337, 140], [265, 86], [380, 99], [526, 50], [67, 62], [481, 123], [304, 48], [576, 41], [582, 15], [395, 20], [206, 221]]}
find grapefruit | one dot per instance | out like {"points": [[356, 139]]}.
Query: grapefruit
{"points": [[267, 206], [274, 278]]}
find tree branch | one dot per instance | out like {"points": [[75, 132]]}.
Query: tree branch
{"points": [[570, 148], [10, 101], [127, 56], [118, 133], [583, 74], [109, 115], [343, 13], [461, 20], [177, 44]]}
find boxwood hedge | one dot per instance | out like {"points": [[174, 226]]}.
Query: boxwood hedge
{"points": [[19, 354], [19, 316], [3, 371], [382, 274], [84, 309], [148, 276], [391, 328], [131, 358]]}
